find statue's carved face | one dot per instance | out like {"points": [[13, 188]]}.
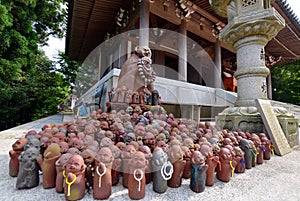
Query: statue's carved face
{"points": [[75, 164], [233, 154], [106, 142], [225, 154], [32, 142], [128, 151], [63, 147], [44, 141], [19, 144], [63, 159], [29, 155], [239, 151], [54, 140], [88, 156], [255, 139], [146, 150], [163, 145], [143, 51], [72, 129], [88, 140], [76, 143], [188, 143], [198, 158], [206, 150], [89, 129], [175, 153], [61, 136], [186, 151], [115, 151], [104, 155], [159, 157], [138, 160], [71, 135], [150, 139], [129, 137], [121, 146]]}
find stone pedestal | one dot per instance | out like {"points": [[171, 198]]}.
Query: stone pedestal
{"points": [[249, 119]]}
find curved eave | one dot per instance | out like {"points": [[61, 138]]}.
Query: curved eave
{"points": [[90, 20]]}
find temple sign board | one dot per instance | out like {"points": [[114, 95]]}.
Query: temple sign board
{"points": [[273, 127]]}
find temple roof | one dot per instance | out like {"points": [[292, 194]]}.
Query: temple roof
{"points": [[90, 20]]}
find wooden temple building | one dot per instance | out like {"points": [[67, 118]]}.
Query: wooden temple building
{"points": [[205, 91]]}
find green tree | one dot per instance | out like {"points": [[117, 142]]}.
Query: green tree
{"points": [[286, 82], [29, 86]]}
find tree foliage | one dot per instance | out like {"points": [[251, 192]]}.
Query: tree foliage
{"points": [[30, 87], [286, 82]]}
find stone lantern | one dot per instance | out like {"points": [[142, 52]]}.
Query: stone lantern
{"points": [[251, 24]]}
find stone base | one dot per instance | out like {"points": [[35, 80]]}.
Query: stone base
{"points": [[254, 124], [290, 128]]}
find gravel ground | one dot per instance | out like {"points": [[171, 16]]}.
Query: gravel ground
{"points": [[277, 179]]}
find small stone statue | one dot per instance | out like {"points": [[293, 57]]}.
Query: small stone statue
{"points": [[51, 155], [198, 172], [155, 97], [102, 179], [240, 160], [227, 165], [259, 148], [74, 185], [14, 154], [212, 162], [28, 176], [175, 155], [59, 172], [162, 170], [267, 146], [89, 160], [117, 163], [247, 149], [126, 156], [136, 178], [187, 157], [148, 155]]}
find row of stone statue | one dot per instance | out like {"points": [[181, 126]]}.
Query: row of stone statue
{"points": [[81, 156], [124, 95]]}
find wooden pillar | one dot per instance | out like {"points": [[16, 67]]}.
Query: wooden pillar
{"points": [[144, 23], [218, 68], [182, 52]]}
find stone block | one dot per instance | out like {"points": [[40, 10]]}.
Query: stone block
{"points": [[290, 128]]}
